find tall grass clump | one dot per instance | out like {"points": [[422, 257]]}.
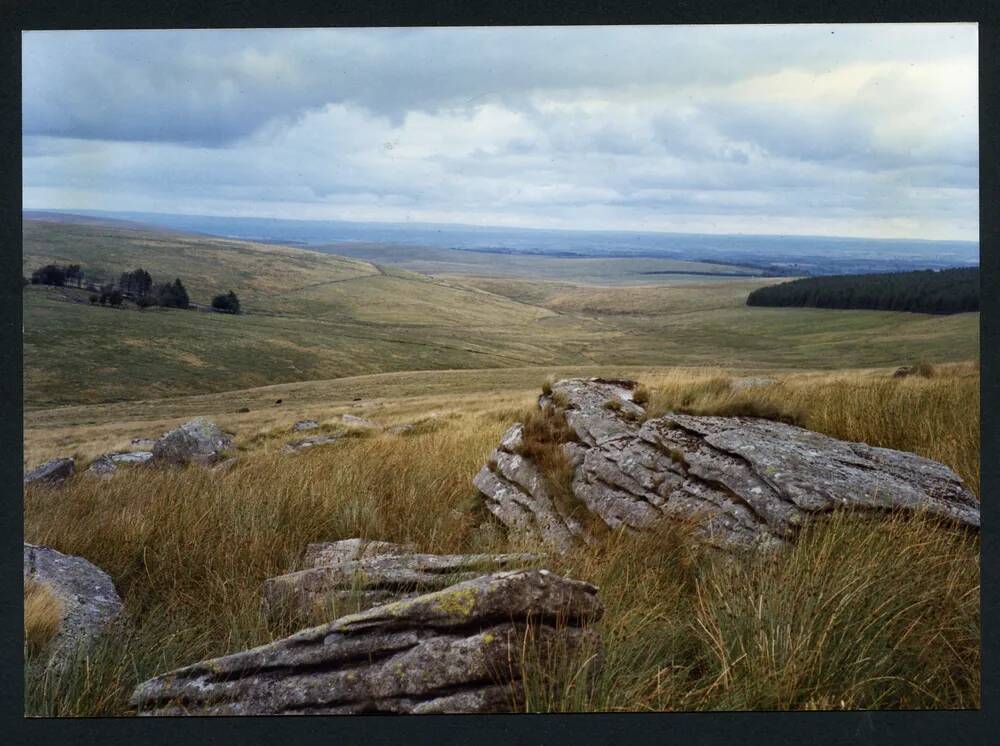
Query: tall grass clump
{"points": [[864, 612], [43, 613]]}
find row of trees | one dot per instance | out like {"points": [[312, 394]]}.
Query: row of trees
{"points": [[58, 275], [926, 291], [136, 286]]}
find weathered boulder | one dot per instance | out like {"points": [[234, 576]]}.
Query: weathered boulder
{"points": [[455, 650], [742, 481], [102, 466], [300, 445], [324, 591], [88, 596], [305, 425], [355, 421], [51, 472], [198, 441]]}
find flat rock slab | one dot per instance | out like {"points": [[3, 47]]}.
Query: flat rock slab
{"points": [[348, 550], [132, 457], [198, 441], [301, 445], [51, 472], [751, 382], [742, 481], [305, 425], [455, 650], [328, 590], [355, 421], [88, 594], [107, 465]]}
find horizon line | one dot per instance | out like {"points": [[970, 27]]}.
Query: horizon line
{"points": [[83, 212]]}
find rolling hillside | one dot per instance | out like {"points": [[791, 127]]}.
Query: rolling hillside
{"points": [[314, 316]]}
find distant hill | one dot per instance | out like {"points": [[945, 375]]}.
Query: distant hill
{"points": [[788, 256], [941, 292]]}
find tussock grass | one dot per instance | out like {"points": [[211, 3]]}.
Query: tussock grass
{"points": [[43, 613], [863, 612]]}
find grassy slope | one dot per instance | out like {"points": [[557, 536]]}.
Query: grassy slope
{"points": [[314, 316], [860, 614]]}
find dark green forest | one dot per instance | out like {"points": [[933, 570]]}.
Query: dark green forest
{"points": [[926, 291]]}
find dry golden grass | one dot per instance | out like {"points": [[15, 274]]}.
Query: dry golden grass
{"points": [[861, 613], [43, 613]]}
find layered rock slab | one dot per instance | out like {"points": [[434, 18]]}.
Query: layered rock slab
{"points": [[455, 650], [742, 482], [376, 573]]}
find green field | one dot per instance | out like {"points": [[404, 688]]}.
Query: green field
{"points": [[313, 316]]}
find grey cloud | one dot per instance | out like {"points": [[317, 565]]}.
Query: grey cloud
{"points": [[213, 87], [622, 126]]}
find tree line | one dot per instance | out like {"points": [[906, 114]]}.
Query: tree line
{"points": [[136, 286], [923, 291]]}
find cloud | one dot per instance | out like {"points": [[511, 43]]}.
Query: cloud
{"points": [[804, 128]]}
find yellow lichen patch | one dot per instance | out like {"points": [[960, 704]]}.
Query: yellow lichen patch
{"points": [[456, 601]]}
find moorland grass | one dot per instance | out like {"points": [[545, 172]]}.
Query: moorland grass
{"points": [[861, 613]]}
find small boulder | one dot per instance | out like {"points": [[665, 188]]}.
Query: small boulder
{"points": [[243, 410], [102, 466], [903, 371], [88, 596], [301, 445], [400, 429], [198, 441], [305, 425], [751, 382], [355, 421], [51, 472]]}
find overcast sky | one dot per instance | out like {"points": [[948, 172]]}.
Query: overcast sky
{"points": [[819, 130]]}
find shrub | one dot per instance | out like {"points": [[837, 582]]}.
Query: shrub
{"points": [[226, 302], [172, 295], [50, 274], [94, 298]]}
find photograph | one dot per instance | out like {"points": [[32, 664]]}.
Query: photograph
{"points": [[440, 369]]}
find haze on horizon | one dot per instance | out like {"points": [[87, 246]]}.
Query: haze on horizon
{"points": [[836, 130]]}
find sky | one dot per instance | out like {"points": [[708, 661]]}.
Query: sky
{"points": [[839, 130]]}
